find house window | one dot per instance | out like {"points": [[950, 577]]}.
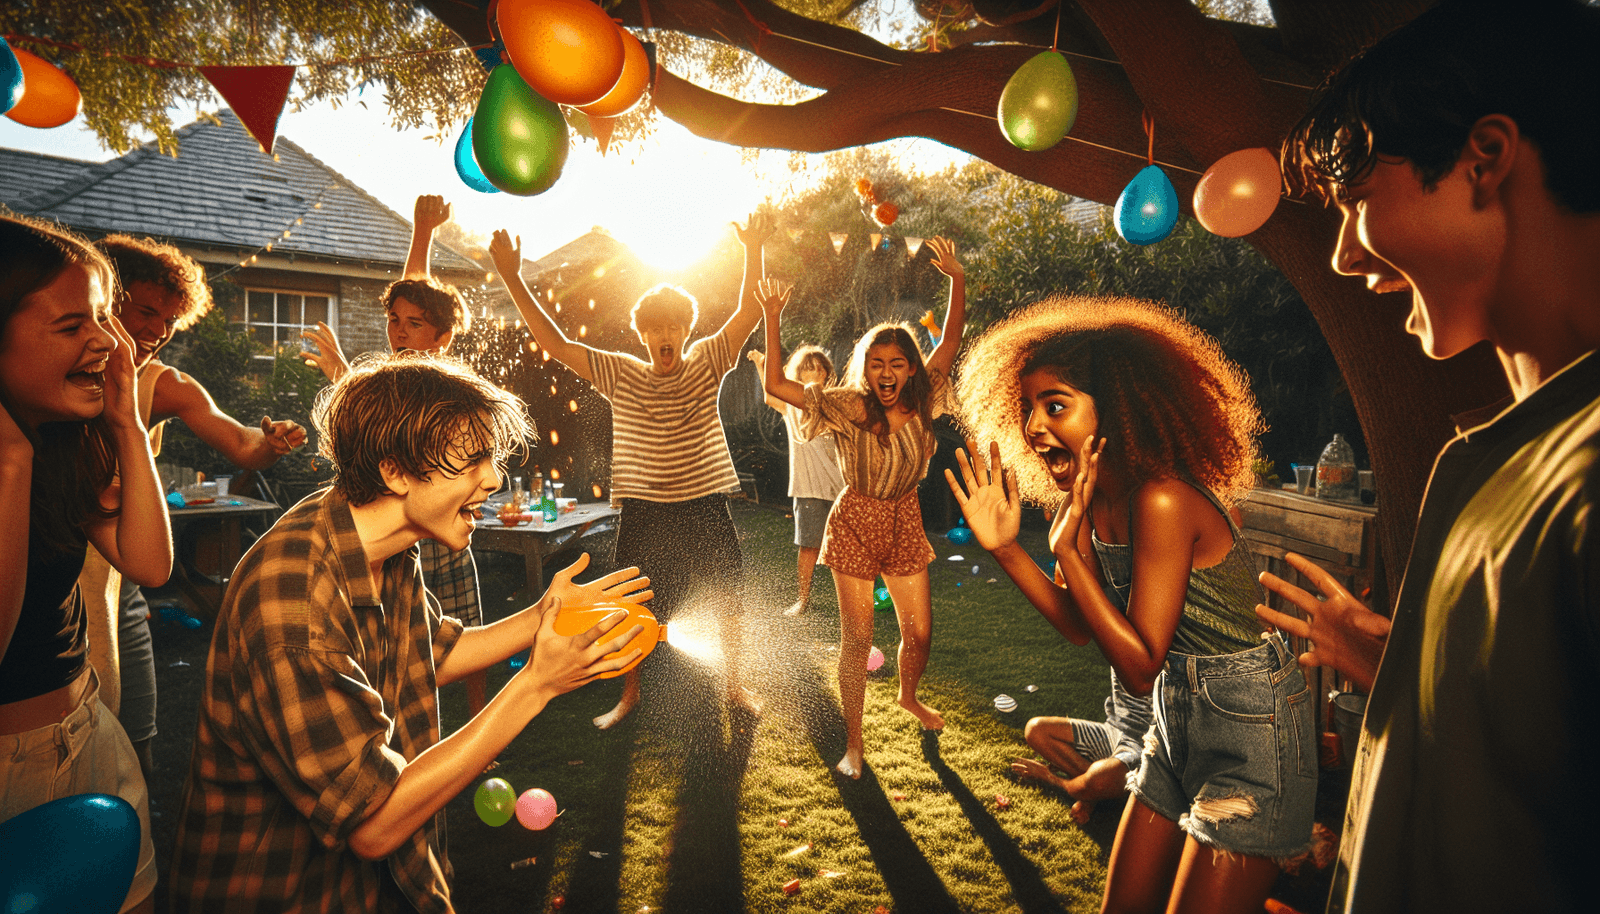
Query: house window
{"points": [[275, 318]]}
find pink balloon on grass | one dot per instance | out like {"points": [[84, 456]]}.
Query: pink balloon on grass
{"points": [[874, 659], [536, 809]]}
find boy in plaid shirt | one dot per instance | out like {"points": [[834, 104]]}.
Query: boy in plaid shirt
{"points": [[318, 774]]}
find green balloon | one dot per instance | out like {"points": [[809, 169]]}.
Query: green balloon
{"points": [[1039, 103], [518, 136], [495, 802]]}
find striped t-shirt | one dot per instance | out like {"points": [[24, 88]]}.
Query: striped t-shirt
{"points": [[667, 443], [872, 467]]}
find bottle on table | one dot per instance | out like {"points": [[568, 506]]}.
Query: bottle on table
{"points": [[1336, 472]]}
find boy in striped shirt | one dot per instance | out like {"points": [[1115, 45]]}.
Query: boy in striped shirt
{"points": [[670, 467]]}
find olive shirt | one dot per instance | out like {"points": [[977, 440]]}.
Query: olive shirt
{"points": [[319, 691], [1474, 785]]}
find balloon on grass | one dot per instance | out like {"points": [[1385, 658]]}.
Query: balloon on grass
{"points": [[467, 165], [1039, 103], [49, 97], [874, 659], [569, 51], [960, 534], [495, 802], [1238, 193], [519, 137], [536, 809], [80, 854], [1148, 207]]}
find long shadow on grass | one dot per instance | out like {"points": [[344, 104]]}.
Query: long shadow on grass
{"points": [[1027, 887]]}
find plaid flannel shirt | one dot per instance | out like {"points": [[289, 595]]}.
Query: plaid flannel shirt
{"points": [[452, 578], [318, 693]]}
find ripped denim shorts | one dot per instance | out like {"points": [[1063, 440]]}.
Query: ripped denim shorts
{"points": [[1232, 757]]}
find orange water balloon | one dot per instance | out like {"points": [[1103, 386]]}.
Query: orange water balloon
{"points": [[886, 214], [569, 51], [630, 86], [49, 97], [1238, 193], [575, 620]]}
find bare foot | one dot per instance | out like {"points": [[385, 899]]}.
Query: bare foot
{"points": [[799, 607], [1026, 769], [614, 716], [931, 719], [850, 765]]}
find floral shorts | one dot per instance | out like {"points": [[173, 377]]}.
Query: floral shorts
{"points": [[868, 536]]}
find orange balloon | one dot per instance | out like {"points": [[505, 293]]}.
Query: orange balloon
{"points": [[568, 51], [886, 213], [575, 620], [1238, 193], [49, 97], [630, 86]]}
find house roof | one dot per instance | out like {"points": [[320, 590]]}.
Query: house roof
{"points": [[221, 190]]}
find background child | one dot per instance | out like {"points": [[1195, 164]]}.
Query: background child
{"points": [[1119, 413], [814, 480], [882, 421], [75, 461], [670, 466]]}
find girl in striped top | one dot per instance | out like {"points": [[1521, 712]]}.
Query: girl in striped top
{"points": [[882, 422]]}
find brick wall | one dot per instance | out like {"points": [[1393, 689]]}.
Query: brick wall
{"points": [[361, 317]]}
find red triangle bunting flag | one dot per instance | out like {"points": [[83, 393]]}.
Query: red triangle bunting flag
{"points": [[602, 127], [256, 95]]}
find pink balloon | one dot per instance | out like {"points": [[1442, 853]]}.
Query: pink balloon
{"points": [[536, 809], [874, 659], [1238, 192]]}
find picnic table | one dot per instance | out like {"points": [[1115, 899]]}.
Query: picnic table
{"points": [[534, 542]]}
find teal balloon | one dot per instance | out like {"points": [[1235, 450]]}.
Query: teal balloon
{"points": [[495, 802], [960, 534], [10, 78], [78, 853], [467, 166], [519, 137], [1039, 103], [1148, 207], [881, 599]]}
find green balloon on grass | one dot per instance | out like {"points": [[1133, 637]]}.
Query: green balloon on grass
{"points": [[519, 137], [1039, 102], [495, 802]]}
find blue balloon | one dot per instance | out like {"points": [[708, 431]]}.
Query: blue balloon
{"points": [[10, 78], [74, 854], [960, 534], [467, 164], [492, 56], [1148, 207]]}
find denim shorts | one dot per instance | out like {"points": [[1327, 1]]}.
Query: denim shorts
{"points": [[810, 521], [1232, 757]]}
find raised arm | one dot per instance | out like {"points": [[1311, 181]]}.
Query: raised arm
{"points": [[430, 213], [989, 501], [955, 315], [507, 257], [138, 540], [249, 447], [772, 295], [753, 235], [328, 356], [16, 483], [759, 359]]}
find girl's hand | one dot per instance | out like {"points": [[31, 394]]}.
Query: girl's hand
{"points": [[624, 586], [1064, 530], [756, 230], [1344, 634], [758, 359], [328, 357], [560, 665], [122, 382], [507, 255], [772, 295], [944, 257], [989, 502]]}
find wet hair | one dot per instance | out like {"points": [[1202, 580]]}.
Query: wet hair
{"points": [[665, 304], [919, 390], [440, 302], [812, 357], [414, 408], [164, 266], [1170, 403], [1416, 94], [73, 462]]}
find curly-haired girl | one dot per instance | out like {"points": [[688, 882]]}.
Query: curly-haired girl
{"points": [[882, 422], [1119, 412]]}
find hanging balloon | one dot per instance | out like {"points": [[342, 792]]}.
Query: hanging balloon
{"points": [[80, 854], [49, 97], [519, 137], [1238, 193], [1148, 207], [11, 81], [1039, 102], [569, 51], [629, 90], [864, 189], [467, 166], [885, 214]]}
